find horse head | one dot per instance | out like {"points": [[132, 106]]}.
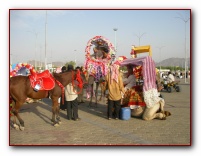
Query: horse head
{"points": [[63, 78]]}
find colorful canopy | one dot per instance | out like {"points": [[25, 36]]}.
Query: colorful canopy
{"points": [[149, 78]]}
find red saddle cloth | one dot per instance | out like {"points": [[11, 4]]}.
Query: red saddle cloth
{"points": [[45, 80]]}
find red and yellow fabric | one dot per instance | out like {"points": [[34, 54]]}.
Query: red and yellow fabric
{"points": [[134, 96], [138, 72]]}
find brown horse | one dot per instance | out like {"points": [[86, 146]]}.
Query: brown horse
{"points": [[20, 89]]}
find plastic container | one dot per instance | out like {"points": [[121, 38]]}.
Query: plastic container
{"points": [[125, 113]]}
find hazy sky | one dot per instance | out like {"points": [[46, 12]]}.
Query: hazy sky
{"points": [[68, 32]]}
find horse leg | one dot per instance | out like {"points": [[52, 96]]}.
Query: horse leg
{"points": [[15, 111], [14, 123], [58, 119], [55, 111]]}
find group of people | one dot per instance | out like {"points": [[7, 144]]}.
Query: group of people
{"points": [[117, 87]]}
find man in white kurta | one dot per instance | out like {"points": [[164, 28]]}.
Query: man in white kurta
{"points": [[71, 98]]}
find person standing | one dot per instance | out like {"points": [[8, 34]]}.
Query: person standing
{"points": [[115, 91], [71, 98]]}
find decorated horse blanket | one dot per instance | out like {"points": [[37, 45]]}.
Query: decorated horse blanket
{"points": [[42, 81]]}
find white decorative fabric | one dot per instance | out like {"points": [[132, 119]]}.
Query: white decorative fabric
{"points": [[151, 97]]}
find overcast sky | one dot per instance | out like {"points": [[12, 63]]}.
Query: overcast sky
{"points": [[68, 32]]}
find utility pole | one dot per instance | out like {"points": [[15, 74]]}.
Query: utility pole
{"points": [[185, 20], [115, 39], [46, 41], [140, 36]]}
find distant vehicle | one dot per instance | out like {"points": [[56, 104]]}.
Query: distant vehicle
{"points": [[167, 86]]}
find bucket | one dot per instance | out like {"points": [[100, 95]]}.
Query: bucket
{"points": [[125, 113]]}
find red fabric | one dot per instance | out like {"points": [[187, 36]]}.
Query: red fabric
{"points": [[79, 80]]}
